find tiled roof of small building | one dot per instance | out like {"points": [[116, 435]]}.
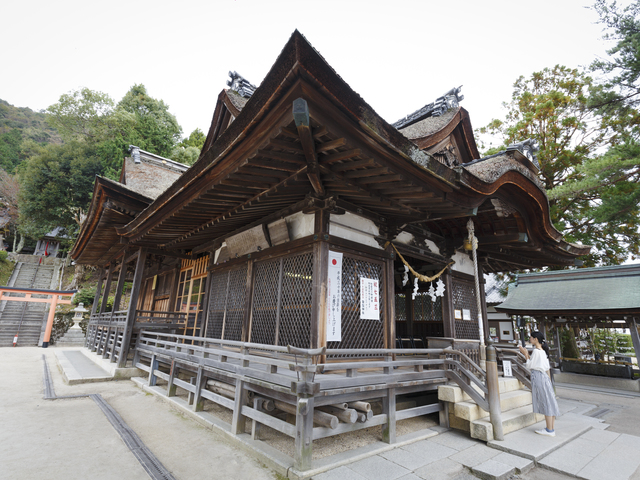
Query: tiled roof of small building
{"points": [[599, 289]]}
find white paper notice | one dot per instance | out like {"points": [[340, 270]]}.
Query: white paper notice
{"points": [[334, 297], [369, 299], [506, 368]]}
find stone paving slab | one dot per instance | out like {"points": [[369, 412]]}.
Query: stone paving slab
{"points": [[526, 443], [443, 469], [77, 368], [522, 465], [619, 460], [378, 468], [492, 470]]}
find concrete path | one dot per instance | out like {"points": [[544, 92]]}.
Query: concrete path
{"points": [[73, 439]]}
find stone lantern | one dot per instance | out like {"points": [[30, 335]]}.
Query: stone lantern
{"points": [[74, 336]]}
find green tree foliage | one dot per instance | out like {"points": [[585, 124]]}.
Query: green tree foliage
{"points": [[615, 175], [552, 106], [188, 150], [53, 184], [154, 128], [10, 149], [195, 139]]}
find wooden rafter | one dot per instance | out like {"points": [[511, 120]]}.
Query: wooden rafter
{"points": [[240, 207]]}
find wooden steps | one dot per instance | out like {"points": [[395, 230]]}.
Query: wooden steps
{"points": [[466, 415]]}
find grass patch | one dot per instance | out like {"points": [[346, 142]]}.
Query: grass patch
{"points": [[6, 267]]}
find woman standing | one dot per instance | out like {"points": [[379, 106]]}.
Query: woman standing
{"points": [[543, 397]]}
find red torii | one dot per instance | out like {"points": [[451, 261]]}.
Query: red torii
{"points": [[54, 300]]}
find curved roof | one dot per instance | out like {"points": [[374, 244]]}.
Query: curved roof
{"points": [[261, 167]]}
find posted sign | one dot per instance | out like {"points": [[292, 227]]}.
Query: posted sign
{"points": [[334, 297], [369, 299]]}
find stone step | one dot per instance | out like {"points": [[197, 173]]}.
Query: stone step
{"points": [[454, 394], [508, 401], [512, 420]]}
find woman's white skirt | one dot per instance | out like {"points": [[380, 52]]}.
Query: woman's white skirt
{"points": [[544, 399]]}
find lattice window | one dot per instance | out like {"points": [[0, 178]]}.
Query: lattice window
{"points": [[281, 311], [226, 304], [401, 307], [357, 332], [464, 298], [425, 309]]}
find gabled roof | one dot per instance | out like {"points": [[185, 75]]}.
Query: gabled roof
{"points": [[585, 291], [113, 205], [258, 166], [149, 174]]}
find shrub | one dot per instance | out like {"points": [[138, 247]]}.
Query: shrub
{"points": [[3, 255], [85, 296]]}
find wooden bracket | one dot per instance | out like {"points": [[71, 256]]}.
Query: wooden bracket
{"points": [[301, 117]]}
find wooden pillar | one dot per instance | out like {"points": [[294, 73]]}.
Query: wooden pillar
{"points": [[557, 341], [133, 304], [120, 285], [173, 295], [483, 300], [107, 288], [447, 307], [205, 305], [319, 295], [318, 336], [248, 302], [390, 300], [96, 299], [635, 338]]}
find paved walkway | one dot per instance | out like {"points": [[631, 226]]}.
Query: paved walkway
{"points": [[582, 448], [71, 438]]}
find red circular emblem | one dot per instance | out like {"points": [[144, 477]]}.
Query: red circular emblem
{"points": [[334, 261]]}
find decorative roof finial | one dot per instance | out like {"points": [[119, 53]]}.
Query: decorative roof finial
{"points": [[241, 85]]}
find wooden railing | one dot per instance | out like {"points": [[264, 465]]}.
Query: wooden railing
{"points": [[257, 381], [149, 318], [518, 361], [471, 348]]}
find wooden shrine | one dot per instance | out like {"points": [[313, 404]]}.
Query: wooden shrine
{"points": [[287, 236]]}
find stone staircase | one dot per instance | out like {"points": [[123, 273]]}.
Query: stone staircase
{"points": [[29, 318], [466, 415]]}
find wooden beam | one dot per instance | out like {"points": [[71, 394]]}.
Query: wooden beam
{"points": [[301, 117]]}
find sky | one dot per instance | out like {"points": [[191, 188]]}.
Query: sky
{"points": [[398, 55]]}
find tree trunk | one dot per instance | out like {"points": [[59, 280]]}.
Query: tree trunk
{"points": [[20, 245], [77, 276]]}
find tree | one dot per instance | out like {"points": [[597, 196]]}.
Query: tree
{"points": [[94, 118], [54, 184], [154, 128], [9, 192], [553, 106], [188, 150]]}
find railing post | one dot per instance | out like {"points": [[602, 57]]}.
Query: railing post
{"points": [[238, 421], [153, 366], [305, 390], [389, 408], [493, 392]]}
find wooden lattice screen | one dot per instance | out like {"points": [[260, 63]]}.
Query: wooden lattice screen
{"points": [[464, 298], [227, 303], [357, 332], [282, 297]]}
